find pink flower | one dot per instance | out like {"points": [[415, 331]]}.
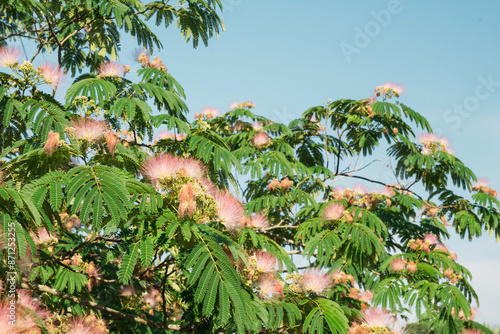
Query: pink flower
{"points": [[187, 203], [111, 69], [160, 167], [210, 188], [388, 191], [95, 274], [427, 139], [412, 267], [87, 325], [157, 63], [398, 89], [265, 262], [230, 210], [360, 189], [398, 264], [338, 192], [430, 238], [127, 291], [259, 221], [286, 183], [367, 296], [43, 236], [472, 331], [191, 167], [257, 126], [51, 73], [165, 135], [233, 105], [375, 317], [275, 183], [142, 56], [315, 280], [111, 140], [88, 129], [52, 143], [261, 139], [9, 55], [267, 286], [210, 112], [334, 211], [24, 298]]}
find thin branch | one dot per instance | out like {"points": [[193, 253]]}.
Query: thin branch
{"points": [[112, 312]]}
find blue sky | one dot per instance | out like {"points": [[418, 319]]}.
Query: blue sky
{"points": [[288, 56]]}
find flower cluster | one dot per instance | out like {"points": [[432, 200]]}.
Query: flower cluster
{"points": [[286, 183], [375, 320], [433, 143], [261, 140], [165, 167], [51, 73], [88, 129], [9, 55], [389, 89], [112, 69], [143, 57], [208, 112], [242, 105], [481, 187]]}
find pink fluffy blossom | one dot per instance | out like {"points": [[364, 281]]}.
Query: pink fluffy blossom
{"points": [[412, 267], [187, 203], [360, 189], [210, 112], [261, 139], [210, 188], [88, 129], [191, 167], [430, 238], [160, 167], [127, 291], [24, 298], [51, 73], [142, 56], [376, 317], [366, 296], [230, 210], [52, 142], [257, 126], [286, 183], [259, 221], [265, 262], [267, 286], [111, 69], [111, 141], [334, 211], [398, 264], [315, 280], [9, 55], [275, 183], [87, 325], [398, 89], [43, 236]]}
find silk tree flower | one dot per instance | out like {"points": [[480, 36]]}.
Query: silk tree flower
{"points": [[87, 325], [51, 73], [127, 291], [286, 183], [264, 262], [160, 167], [398, 264], [377, 318], [24, 298], [275, 183], [259, 221], [412, 267], [334, 211], [111, 141], [94, 273], [111, 69], [210, 188], [43, 237], [229, 209], [359, 189], [9, 55], [187, 203], [267, 286], [191, 167], [52, 143], [210, 112], [388, 86], [431, 238], [142, 56], [315, 280], [261, 139], [158, 64], [88, 129]]}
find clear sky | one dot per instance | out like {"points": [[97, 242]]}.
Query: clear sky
{"points": [[286, 56]]}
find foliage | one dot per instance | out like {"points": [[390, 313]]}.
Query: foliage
{"points": [[130, 234]]}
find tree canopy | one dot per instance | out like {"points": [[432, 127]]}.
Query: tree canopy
{"points": [[121, 216]]}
